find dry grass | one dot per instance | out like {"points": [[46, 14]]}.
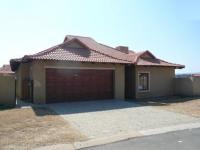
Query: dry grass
{"points": [[191, 108], [34, 127], [188, 105]]}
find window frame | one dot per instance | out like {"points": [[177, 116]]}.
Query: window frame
{"points": [[142, 91]]}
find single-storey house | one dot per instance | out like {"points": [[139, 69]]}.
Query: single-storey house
{"points": [[80, 68]]}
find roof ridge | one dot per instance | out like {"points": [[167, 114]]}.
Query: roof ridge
{"points": [[119, 52], [74, 36], [124, 56], [108, 46], [76, 39], [110, 55], [107, 54], [51, 49], [116, 49], [141, 53], [99, 51]]}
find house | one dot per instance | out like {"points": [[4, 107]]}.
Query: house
{"points": [[80, 68], [6, 70]]}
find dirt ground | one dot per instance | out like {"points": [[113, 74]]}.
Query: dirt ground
{"points": [[188, 105], [34, 127]]}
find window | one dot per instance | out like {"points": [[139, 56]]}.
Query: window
{"points": [[143, 82]]}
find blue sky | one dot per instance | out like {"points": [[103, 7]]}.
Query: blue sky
{"points": [[170, 29]]}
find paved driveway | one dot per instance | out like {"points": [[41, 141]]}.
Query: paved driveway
{"points": [[97, 119]]}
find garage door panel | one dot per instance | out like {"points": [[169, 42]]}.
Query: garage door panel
{"points": [[73, 84]]}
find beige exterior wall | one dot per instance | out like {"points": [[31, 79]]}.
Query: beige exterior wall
{"points": [[161, 81], [7, 90], [21, 75], [188, 86], [38, 75], [183, 86], [196, 82]]}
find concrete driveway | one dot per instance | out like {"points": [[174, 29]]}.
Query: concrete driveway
{"points": [[98, 119]]}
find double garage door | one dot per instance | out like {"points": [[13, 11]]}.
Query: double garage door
{"points": [[64, 85]]}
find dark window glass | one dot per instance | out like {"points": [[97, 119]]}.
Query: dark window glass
{"points": [[143, 82]]}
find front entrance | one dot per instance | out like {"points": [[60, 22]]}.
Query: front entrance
{"points": [[130, 80]]}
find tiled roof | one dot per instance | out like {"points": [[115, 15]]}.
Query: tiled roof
{"points": [[76, 54], [92, 51], [188, 75], [156, 62], [196, 75], [104, 49], [6, 69]]}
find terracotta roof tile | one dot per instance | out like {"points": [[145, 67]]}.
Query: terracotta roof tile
{"points": [[107, 50], [75, 54], [92, 51], [6, 69], [196, 75], [156, 62]]}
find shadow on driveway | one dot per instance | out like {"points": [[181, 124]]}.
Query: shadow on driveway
{"points": [[91, 106], [102, 105], [77, 107]]}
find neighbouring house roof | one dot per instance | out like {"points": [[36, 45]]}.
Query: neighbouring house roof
{"points": [[92, 51], [196, 75], [188, 75], [6, 69]]}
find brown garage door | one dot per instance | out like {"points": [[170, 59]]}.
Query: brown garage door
{"points": [[75, 85]]}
